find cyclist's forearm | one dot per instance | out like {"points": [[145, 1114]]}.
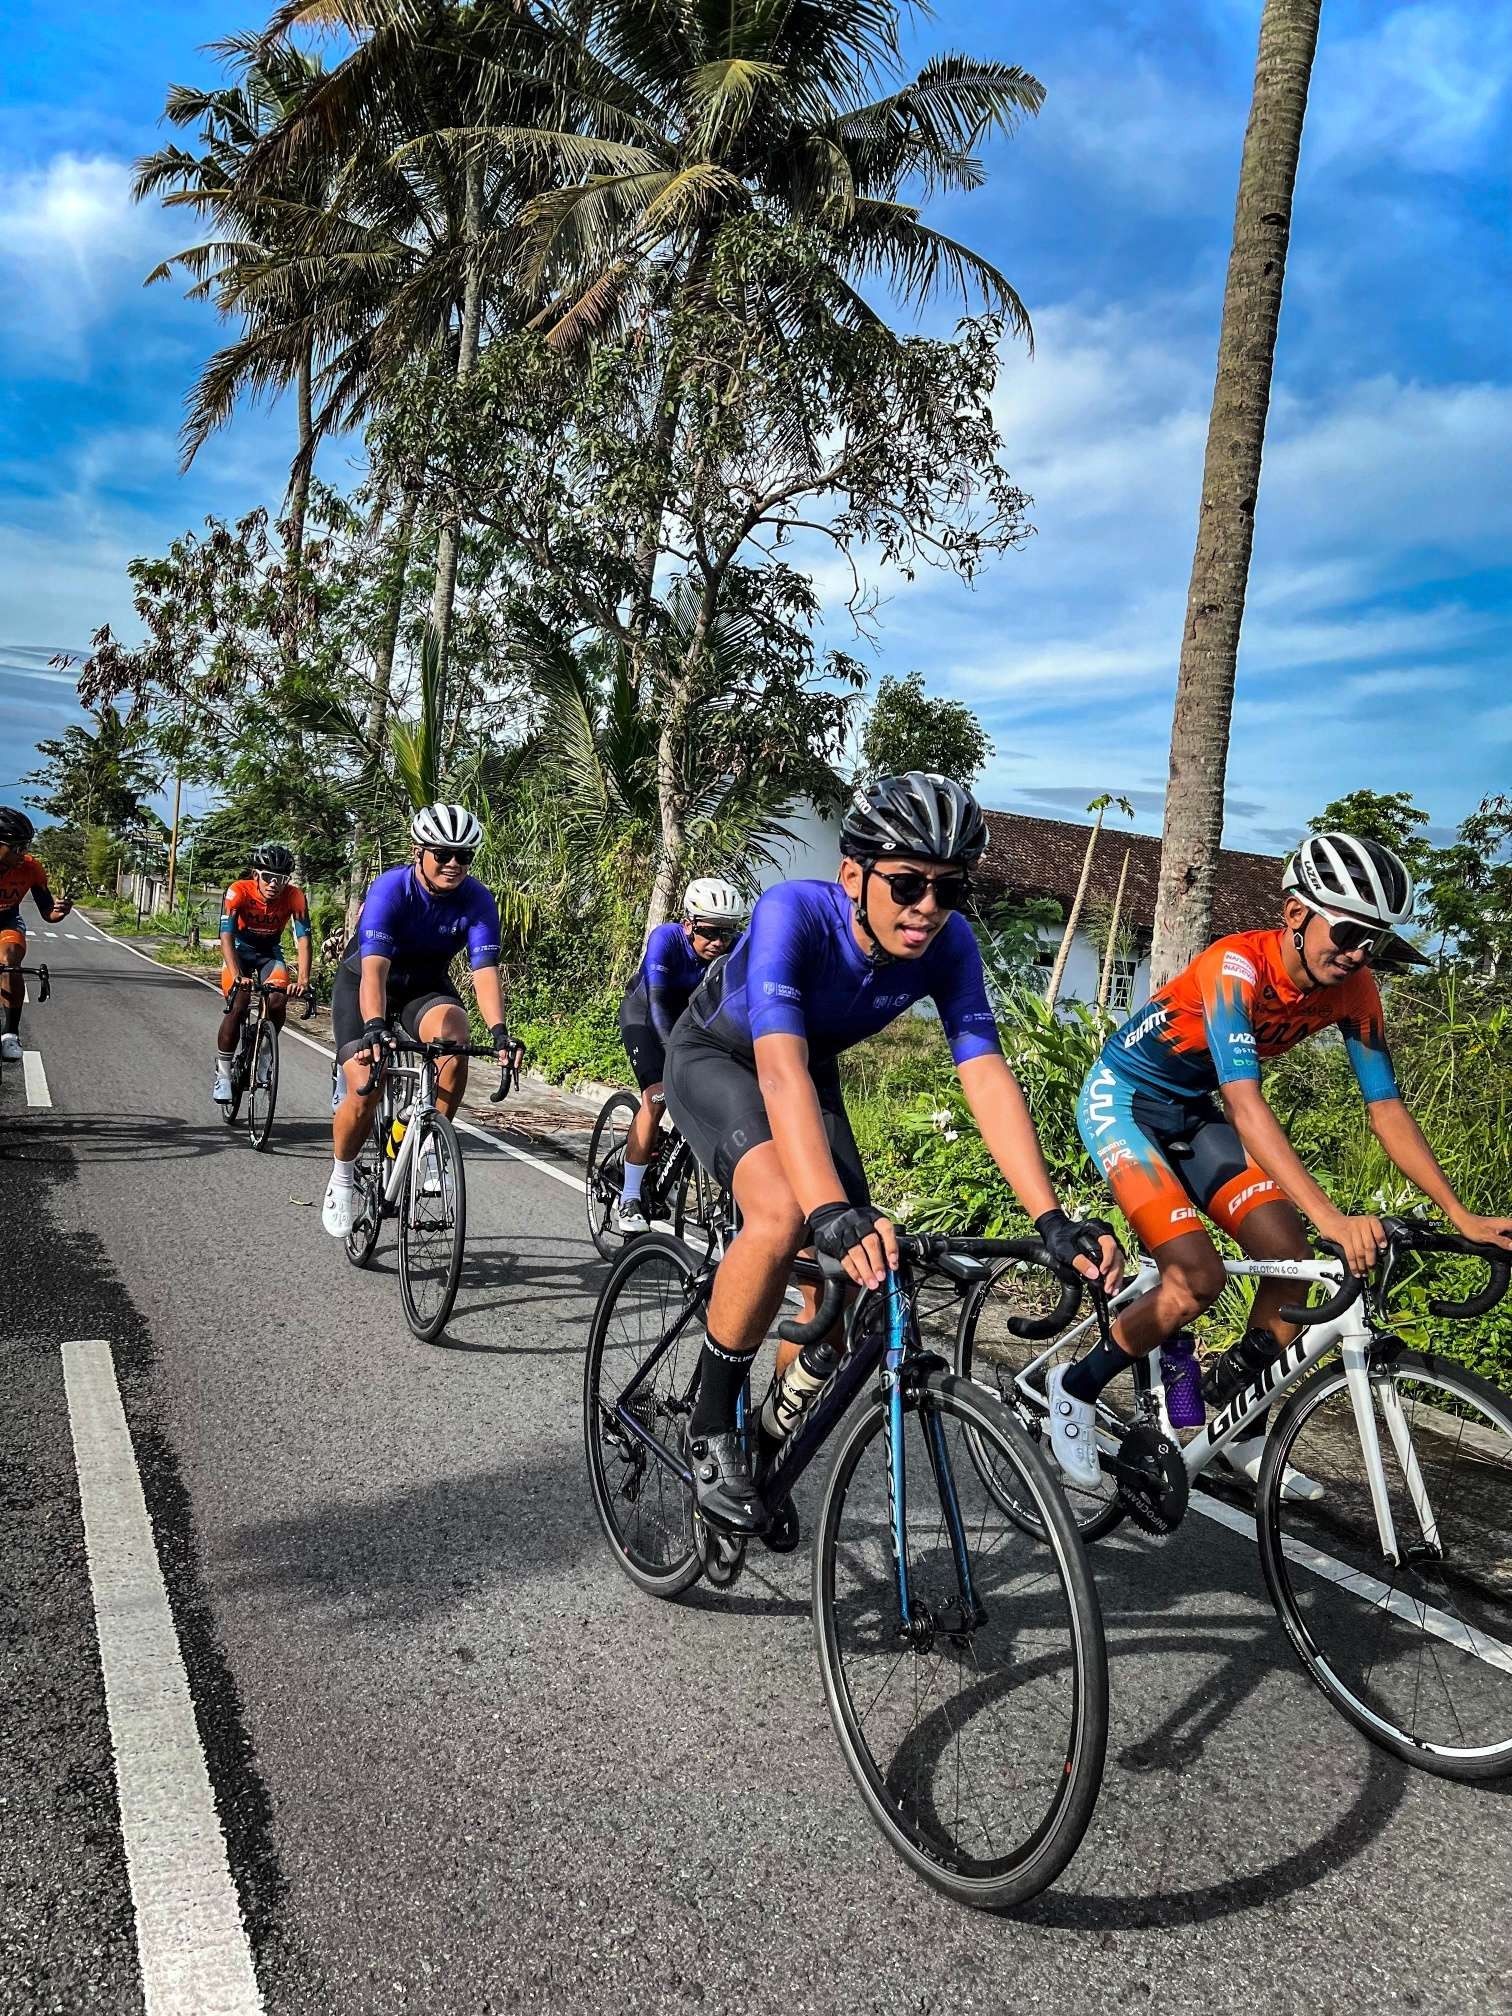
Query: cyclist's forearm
{"points": [[1402, 1138], [1265, 1142], [302, 962], [1002, 1114], [797, 1122], [372, 989], [488, 987], [229, 955]]}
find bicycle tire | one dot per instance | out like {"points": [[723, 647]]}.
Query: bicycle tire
{"points": [[368, 1179], [1072, 1767], [1096, 1515], [438, 1139], [1302, 1550], [262, 1099], [606, 1155], [696, 1205], [617, 1470]]}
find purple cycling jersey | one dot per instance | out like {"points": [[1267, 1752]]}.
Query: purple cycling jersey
{"points": [[669, 971], [798, 971], [421, 931]]}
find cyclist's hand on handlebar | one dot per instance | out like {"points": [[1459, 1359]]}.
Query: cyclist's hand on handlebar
{"points": [[1485, 1231], [377, 1041], [1088, 1246], [1362, 1240], [859, 1237]]}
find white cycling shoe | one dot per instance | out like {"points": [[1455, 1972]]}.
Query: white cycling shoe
{"points": [[10, 1047], [630, 1217], [338, 1214], [1073, 1434], [222, 1092], [1244, 1458]]}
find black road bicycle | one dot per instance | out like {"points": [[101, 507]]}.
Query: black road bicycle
{"points": [[410, 1168], [39, 973], [254, 1062], [963, 1660], [675, 1187]]}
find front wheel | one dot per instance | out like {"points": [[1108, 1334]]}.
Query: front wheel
{"points": [[975, 1733], [1415, 1652], [432, 1227], [606, 1169], [263, 1091]]}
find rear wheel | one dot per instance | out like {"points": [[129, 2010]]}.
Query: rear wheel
{"points": [[702, 1212], [263, 1090], [240, 1058], [606, 1169], [432, 1227], [368, 1179]]}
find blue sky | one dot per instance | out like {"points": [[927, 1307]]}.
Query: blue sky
{"points": [[1375, 647]]}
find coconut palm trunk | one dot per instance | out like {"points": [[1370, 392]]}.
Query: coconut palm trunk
{"points": [[449, 540], [1105, 984], [1098, 808], [1230, 482], [299, 482]]}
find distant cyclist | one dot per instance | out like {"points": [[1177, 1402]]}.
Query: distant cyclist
{"points": [[254, 914], [1168, 1148], [414, 921], [676, 955], [753, 1082], [21, 874]]}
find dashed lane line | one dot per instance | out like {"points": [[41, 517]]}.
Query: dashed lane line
{"points": [[37, 1093], [191, 1943]]}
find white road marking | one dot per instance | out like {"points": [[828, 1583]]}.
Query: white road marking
{"points": [[37, 1093], [191, 1943], [69, 935]]}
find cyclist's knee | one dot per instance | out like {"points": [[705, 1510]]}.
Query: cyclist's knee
{"points": [[1191, 1285]]}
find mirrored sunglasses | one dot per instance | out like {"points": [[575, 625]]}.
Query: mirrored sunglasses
{"points": [[444, 856]]}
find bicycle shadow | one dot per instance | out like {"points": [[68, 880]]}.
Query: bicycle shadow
{"points": [[115, 1137]]}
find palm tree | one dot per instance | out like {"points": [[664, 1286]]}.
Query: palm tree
{"points": [[1230, 482], [1098, 806], [100, 776]]}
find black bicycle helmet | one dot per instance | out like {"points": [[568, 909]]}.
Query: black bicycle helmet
{"points": [[16, 830], [919, 816], [273, 858]]}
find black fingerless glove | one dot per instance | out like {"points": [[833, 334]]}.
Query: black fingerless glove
{"points": [[1066, 1240], [375, 1035], [839, 1227], [498, 1035]]}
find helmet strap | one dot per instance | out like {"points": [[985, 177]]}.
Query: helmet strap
{"points": [[877, 956], [1299, 942], [422, 878]]}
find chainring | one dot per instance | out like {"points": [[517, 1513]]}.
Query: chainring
{"points": [[1151, 1480]]}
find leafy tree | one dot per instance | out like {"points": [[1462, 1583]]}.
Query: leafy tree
{"points": [[100, 776], [907, 729], [1389, 817], [1468, 895]]}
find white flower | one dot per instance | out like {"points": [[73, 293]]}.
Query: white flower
{"points": [[951, 1134], [942, 1119]]}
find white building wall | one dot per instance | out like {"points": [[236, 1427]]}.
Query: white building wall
{"points": [[813, 854]]}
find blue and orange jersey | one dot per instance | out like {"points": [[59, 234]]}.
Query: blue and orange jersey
{"points": [[257, 921], [22, 877], [1235, 1005]]}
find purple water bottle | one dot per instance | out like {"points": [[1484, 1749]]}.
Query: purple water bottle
{"points": [[1183, 1381]]}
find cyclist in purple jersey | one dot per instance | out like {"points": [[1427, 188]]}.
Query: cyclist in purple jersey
{"points": [[676, 957], [753, 1084], [412, 924]]}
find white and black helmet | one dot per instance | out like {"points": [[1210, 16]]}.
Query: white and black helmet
{"points": [[713, 901], [1343, 876], [441, 825], [919, 816]]}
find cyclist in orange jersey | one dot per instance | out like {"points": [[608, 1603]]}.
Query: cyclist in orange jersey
{"points": [[21, 875], [254, 913], [1169, 1149]]}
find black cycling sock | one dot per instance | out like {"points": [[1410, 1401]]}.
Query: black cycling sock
{"points": [[1089, 1375], [721, 1375]]}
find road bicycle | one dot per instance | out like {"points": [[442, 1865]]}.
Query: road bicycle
{"points": [[40, 974], [1395, 1586], [410, 1168], [675, 1187], [254, 1062], [963, 1662]]}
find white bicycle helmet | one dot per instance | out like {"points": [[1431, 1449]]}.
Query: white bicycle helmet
{"points": [[1342, 876], [712, 901], [441, 825]]}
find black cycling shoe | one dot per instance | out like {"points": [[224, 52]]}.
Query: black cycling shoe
{"points": [[722, 1486], [784, 1532], [1238, 1367]]}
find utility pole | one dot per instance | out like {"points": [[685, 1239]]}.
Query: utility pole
{"points": [[178, 792]]}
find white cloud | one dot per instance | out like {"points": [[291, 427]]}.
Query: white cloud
{"points": [[71, 243], [1423, 88]]}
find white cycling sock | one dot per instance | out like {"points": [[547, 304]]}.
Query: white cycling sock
{"points": [[341, 1173], [223, 1061], [635, 1175]]}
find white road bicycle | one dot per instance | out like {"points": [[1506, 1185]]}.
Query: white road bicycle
{"points": [[1394, 1587]]}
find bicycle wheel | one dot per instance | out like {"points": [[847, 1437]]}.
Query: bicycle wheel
{"points": [[368, 1179], [977, 1743], [262, 1101], [432, 1227], [240, 1060], [1418, 1656], [987, 1351], [606, 1164], [701, 1209], [652, 1295]]}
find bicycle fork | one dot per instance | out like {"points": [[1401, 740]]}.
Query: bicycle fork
{"points": [[1364, 1392], [915, 1627]]}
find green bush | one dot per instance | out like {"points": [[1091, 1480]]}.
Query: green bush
{"points": [[568, 1045]]}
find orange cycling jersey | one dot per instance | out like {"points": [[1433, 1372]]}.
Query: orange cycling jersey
{"points": [[17, 880], [256, 923], [1236, 1004]]}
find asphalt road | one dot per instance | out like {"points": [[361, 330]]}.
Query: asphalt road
{"points": [[460, 1763]]}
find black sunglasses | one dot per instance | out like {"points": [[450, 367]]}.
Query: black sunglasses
{"points": [[442, 856], [717, 934], [952, 892], [1367, 938]]}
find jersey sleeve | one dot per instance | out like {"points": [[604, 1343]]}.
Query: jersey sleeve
{"points": [[41, 895], [666, 990], [299, 913], [1226, 981], [1363, 1027], [230, 909], [960, 994], [776, 958], [378, 925], [484, 937]]}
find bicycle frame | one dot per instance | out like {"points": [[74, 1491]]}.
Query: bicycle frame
{"points": [[417, 1106], [1350, 1333]]}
